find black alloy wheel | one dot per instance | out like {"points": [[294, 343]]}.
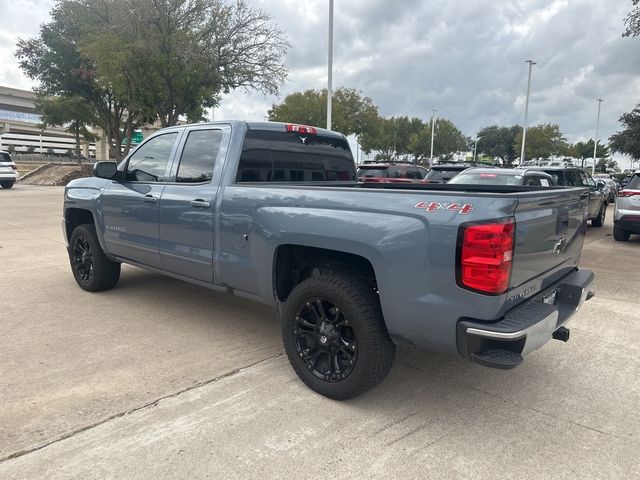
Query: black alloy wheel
{"points": [[335, 336], [325, 340], [82, 258], [91, 268]]}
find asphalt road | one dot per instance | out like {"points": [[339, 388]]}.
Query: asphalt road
{"points": [[160, 379]]}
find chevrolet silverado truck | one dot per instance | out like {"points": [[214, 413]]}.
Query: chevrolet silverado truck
{"points": [[273, 212]]}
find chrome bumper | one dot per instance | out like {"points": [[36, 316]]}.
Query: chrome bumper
{"points": [[527, 327]]}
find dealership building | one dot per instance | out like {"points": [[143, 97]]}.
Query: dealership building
{"points": [[20, 129]]}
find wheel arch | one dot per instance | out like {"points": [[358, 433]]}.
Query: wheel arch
{"points": [[293, 263]]}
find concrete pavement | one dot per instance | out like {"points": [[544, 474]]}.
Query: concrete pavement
{"points": [[161, 379]]}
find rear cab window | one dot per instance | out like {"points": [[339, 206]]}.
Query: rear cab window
{"points": [[272, 156], [4, 157]]}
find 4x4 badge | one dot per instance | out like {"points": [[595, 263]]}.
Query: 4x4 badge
{"points": [[461, 208]]}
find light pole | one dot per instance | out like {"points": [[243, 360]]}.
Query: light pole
{"points": [[475, 149], [595, 142], [330, 67], [433, 124], [526, 111]]}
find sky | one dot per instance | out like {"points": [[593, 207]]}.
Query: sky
{"points": [[464, 58]]}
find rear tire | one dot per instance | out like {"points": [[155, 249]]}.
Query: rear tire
{"points": [[7, 184], [620, 234], [334, 335], [92, 270], [599, 220]]}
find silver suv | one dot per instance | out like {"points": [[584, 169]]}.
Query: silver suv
{"points": [[8, 170], [626, 216]]}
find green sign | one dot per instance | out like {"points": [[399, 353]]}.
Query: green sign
{"points": [[135, 138]]}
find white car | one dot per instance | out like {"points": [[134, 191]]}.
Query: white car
{"points": [[8, 170]]}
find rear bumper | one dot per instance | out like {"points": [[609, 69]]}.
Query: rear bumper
{"points": [[629, 222], [504, 344]]}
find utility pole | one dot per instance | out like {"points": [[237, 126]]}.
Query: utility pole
{"points": [[433, 124], [330, 69], [526, 111], [475, 149], [595, 142]]}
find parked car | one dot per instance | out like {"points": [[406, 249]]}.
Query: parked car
{"points": [[273, 212], [608, 186], [503, 176], [444, 172], [8, 170], [391, 172], [626, 215], [576, 177]]}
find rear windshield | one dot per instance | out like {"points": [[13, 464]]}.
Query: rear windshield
{"points": [[4, 157], [441, 175], [384, 172], [634, 183], [373, 172], [487, 179], [269, 156]]}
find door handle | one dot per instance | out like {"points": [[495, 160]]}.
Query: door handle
{"points": [[199, 203], [149, 199]]}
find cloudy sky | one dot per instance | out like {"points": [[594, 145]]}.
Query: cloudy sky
{"points": [[464, 58]]}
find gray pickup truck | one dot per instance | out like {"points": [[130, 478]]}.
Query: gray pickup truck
{"points": [[273, 212]]}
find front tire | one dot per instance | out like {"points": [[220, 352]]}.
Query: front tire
{"points": [[92, 270], [6, 184], [599, 220], [334, 335], [620, 234]]}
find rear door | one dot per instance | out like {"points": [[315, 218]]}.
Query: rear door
{"points": [[550, 229], [187, 204]]}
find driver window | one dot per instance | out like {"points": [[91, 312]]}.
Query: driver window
{"points": [[149, 162]]}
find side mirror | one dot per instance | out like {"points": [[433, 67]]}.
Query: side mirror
{"points": [[105, 170]]}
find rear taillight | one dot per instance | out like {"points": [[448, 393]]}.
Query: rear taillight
{"points": [[485, 256], [14, 166], [628, 193], [301, 129]]}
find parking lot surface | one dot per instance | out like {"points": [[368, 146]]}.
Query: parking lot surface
{"points": [[161, 379]]}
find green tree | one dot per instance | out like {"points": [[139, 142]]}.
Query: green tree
{"points": [[632, 21], [391, 137], [543, 141], [175, 57], [627, 140], [448, 139], [604, 165], [584, 150], [352, 113], [499, 142], [73, 112], [53, 59]]}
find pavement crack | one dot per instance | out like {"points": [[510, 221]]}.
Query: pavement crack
{"points": [[151, 403]]}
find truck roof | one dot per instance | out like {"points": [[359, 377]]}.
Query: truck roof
{"points": [[268, 126]]}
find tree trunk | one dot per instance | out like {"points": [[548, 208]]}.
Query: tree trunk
{"points": [[77, 131]]}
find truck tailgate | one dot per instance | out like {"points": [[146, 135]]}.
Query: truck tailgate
{"points": [[550, 229]]}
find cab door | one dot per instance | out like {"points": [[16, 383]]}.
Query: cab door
{"points": [[187, 204], [130, 206]]}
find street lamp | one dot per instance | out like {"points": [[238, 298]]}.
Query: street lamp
{"points": [[526, 111], [595, 142], [433, 125], [330, 67], [475, 148]]}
